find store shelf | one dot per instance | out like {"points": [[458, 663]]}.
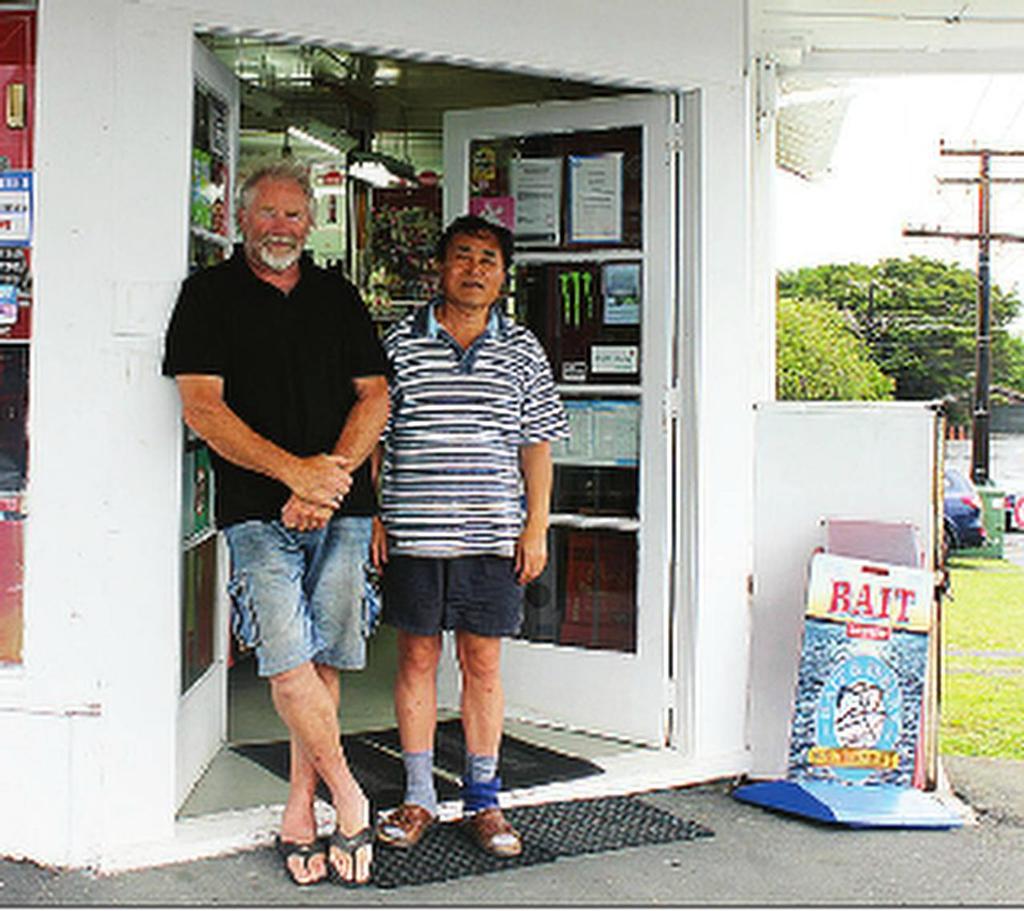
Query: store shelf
{"points": [[530, 255], [593, 523], [395, 311], [580, 462], [602, 389], [211, 237], [198, 538]]}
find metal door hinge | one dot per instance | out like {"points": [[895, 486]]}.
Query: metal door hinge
{"points": [[671, 406], [676, 142]]}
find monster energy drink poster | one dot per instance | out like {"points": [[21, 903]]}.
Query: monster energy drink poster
{"points": [[860, 692]]}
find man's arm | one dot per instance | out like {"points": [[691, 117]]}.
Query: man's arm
{"points": [[532, 547], [357, 440], [320, 479], [365, 421], [379, 537]]}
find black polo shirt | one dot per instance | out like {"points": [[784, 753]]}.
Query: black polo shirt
{"points": [[287, 361]]}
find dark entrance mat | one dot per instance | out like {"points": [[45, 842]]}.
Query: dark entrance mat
{"points": [[375, 760], [381, 775], [522, 764], [563, 829]]}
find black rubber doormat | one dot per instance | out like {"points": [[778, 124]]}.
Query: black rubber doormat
{"points": [[372, 756], [381, 775], [522, 764], [564, 829]]}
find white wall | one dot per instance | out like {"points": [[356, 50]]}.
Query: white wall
{"points": [[667, 42], [96, 696], [98, 692], [727, 380]]}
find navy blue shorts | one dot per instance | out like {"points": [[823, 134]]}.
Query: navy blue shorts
{"points": [[479, 594]]}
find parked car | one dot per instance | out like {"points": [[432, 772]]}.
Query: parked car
{"points": [[962, 512]]}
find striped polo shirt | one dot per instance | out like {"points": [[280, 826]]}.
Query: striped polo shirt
{"points": [[451, 484]]}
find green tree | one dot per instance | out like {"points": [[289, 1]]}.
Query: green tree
{"points": [[818, 357], [917, 316]]}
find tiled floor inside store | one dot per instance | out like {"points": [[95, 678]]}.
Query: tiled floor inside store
{"points": [[233, 782]]}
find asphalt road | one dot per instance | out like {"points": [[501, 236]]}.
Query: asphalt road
{"points": [[755, 858]]}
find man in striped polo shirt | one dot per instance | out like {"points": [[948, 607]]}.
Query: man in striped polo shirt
{"points": [[465, 492]]}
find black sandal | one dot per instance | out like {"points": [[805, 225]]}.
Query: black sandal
{"points": [[286, 850], [349, 844]]}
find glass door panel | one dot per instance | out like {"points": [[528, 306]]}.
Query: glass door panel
{"points": [[587, 189]]}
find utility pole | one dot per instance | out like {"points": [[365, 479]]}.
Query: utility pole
{"points": [[983, 333]]}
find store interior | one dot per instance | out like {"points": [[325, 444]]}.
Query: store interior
{"points": [[370, 129]]}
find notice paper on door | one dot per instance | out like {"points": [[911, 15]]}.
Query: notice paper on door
{"points": [[537, 189], [615, 359], [595, 198], [621, 284]]}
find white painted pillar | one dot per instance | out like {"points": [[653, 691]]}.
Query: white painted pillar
{"points": [[98, 697]]}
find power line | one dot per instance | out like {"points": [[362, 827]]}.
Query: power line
{"points": [[984, 237], [979, 103]]}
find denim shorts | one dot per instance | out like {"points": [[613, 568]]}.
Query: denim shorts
{"points": [[479, 594], [297, 596]]}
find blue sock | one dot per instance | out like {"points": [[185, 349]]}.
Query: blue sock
{"points": [[419, 779], [481, 783]]}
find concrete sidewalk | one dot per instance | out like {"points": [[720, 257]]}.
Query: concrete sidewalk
{"points": [[756, 857]]}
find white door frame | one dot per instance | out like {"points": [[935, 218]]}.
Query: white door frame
{"points": [[202, 715]]}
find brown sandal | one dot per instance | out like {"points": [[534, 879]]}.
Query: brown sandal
{"points": [[492, 832], [404, 826]]}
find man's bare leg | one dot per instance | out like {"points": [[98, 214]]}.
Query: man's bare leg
{"points": [[483, 709], [416, 690], [298, 822], [483, 697], [308, 706]]}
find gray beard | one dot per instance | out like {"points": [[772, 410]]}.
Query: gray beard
{"points": [[278, 263]]}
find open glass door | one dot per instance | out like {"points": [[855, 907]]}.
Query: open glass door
{"points": [[204, 647], [590, 190]]}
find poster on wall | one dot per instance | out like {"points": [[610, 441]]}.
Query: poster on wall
{"points": [[11, 569], [537, 189], [621, 284], [601, 432], [483, 170], [595, 198], [8, 305], [499, 210], [15, 208]]}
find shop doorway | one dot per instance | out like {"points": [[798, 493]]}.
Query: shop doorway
{"points": [[595, 175]]}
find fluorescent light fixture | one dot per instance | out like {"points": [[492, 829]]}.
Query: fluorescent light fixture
{"points": [[309, 138], [386, 73], [380, 171]]}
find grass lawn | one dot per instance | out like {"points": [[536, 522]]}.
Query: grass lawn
{"points": [[983, 668]]}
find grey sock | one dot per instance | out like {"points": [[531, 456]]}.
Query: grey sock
{"points": [[481, 768], [419, 779]]}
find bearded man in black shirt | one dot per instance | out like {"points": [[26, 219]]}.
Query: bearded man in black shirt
{"points": [[280, 371]]}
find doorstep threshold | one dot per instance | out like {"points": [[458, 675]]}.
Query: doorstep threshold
{"points": [[630, 771]]}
